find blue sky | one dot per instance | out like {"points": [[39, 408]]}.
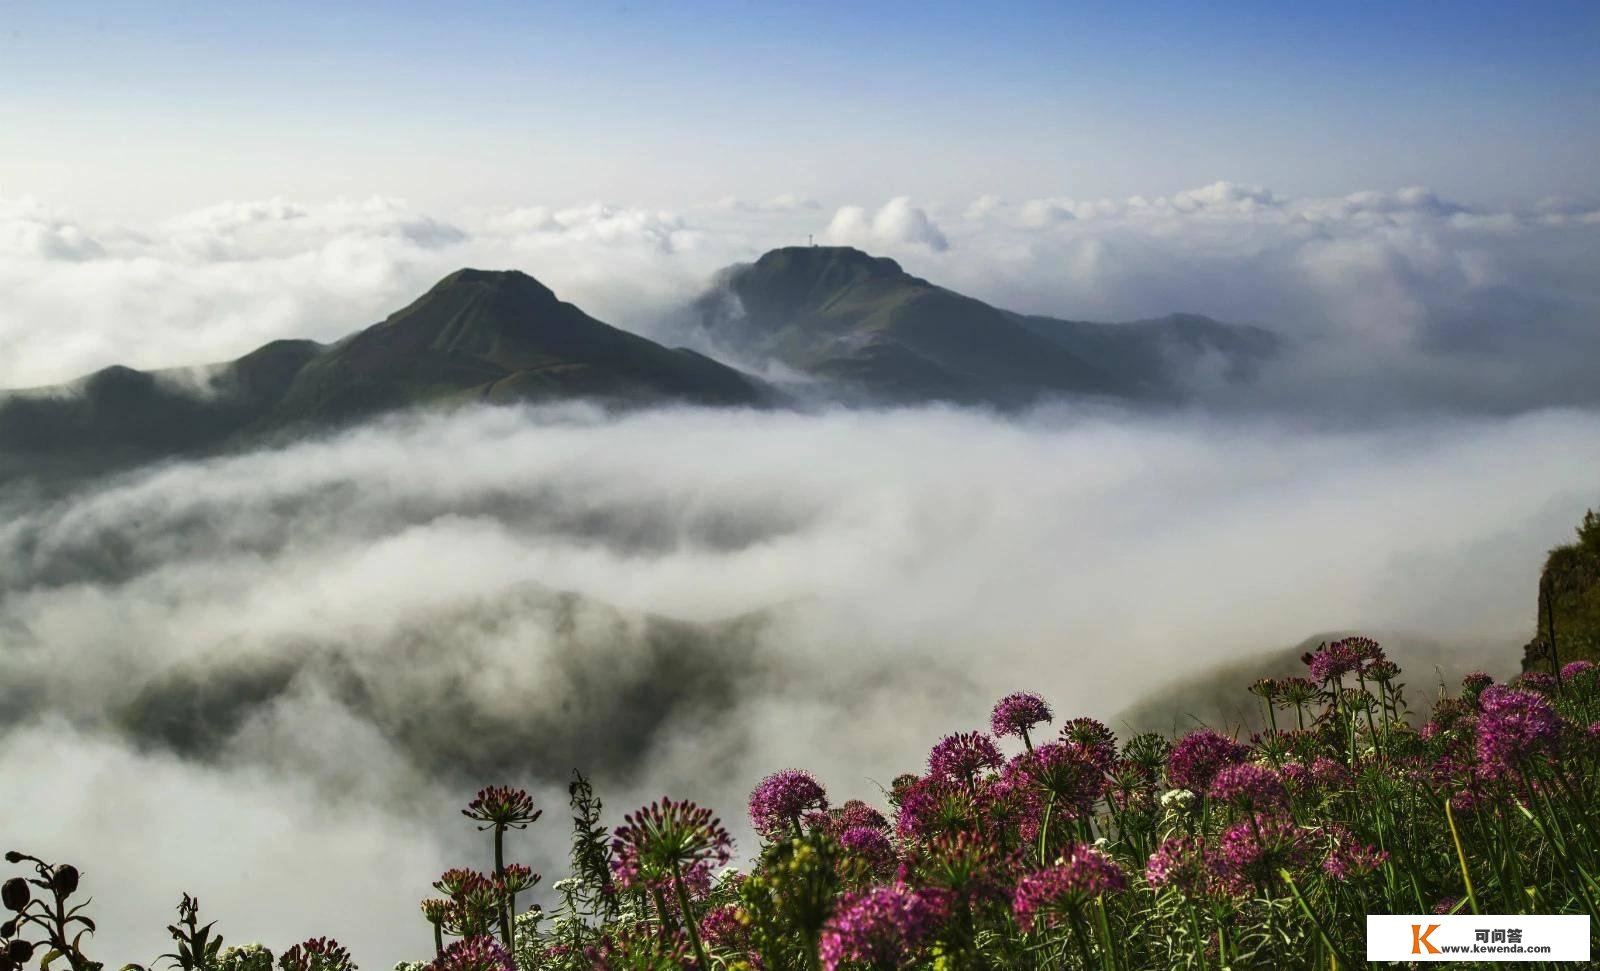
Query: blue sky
{"points": [[131, 107]]}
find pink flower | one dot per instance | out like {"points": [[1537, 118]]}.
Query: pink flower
{"points": [[1199, 756], [1046, 895], [779, 802], [882, 927], [1016, 713]]}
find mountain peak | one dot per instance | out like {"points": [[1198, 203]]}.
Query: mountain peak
{"points": [[514, 283], [820, 259]]}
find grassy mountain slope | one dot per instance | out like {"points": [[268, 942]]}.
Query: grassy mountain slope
{"points": [[839, 313], [1569, 602], [476, 335]]}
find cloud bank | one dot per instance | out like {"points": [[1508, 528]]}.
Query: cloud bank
{"points": [[1423, 303], [282, 671]]}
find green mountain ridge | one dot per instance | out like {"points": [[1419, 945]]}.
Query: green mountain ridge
{"points": [[477, 335], [866, 329], [861, 321]]}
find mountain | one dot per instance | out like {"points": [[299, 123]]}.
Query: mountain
{"points": [[1568, 605], [477, 335], [862, 322]]}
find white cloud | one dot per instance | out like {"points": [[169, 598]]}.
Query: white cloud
{"points": [[906, 592], [1495, 307], [897, 223]]}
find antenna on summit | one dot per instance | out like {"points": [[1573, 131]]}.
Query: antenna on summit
{"points": [[811, 240]]}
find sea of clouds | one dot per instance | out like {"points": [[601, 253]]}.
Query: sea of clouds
{"points": [[438, 603], [1422, 302]]}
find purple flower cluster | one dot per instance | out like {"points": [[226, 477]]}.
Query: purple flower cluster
{"points": [[882, 927], [317, 954], [502, 806], [1249, 786], [1515, 727], [857, 813], [721, 927], [1062, 772], [1250, 853], [782, 799], [1349, 857], [961, 756], [1573, 669], [1093, 738], [870, 845], [1180, 862], [1046, 895], [1332, 661], [478, 953], [1199, 756], [666, 837], [1014, 714], [932, 805]]}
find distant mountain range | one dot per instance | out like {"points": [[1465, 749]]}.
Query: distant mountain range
{"points": [[858, 328], [865, 325]]}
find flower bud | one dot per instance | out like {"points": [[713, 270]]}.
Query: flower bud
{"points": [[12, 856], [9, 928], [65, 880], [15, 894], [20, 951]]}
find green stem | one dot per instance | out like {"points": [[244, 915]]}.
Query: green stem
{"points": [[1461, 855]]}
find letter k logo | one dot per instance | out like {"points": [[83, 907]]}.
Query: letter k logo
{"points": [[1419, 939]]}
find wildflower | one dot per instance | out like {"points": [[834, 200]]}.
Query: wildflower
{"points": [[1083, 874], [1446, 905], [457, 882], [1295, 692], [1474, 683], [1250, 853], [1180, 862], [869, 844], [671, 837], [1329, 773], [933, 805], [781, 799], [882, 927], [1098, 741], [502, 807], [516, 879], [1198, 756], [1066, 772], [1514, 727], [1016, 713], [962, 755], [1573, 669], [857, 813], [1332, 661], [316, 954], [1348, 857], [478, 953], [722, 928], [1177, 799], [1535, 681], [1265, 688], [1249, 786], [1382, 671], [970, 867], [1148, 751]]}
